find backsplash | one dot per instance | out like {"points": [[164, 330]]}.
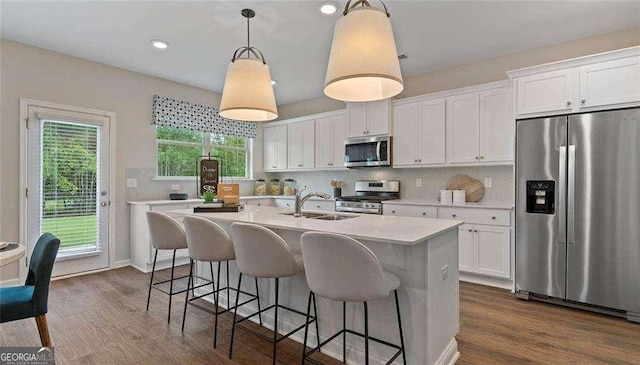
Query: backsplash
{"points": [[433, 180], [150, 188]]}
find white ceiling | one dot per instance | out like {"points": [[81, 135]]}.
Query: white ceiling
{"points": [[294, 37]]}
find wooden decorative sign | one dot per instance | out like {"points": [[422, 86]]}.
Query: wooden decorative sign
{"points": [[209, 175]]}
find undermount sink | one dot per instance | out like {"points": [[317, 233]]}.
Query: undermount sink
{"points": [[334, 217], [322, 216]]}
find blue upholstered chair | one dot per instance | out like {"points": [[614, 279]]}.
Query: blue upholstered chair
{"points": [[30, 300]]}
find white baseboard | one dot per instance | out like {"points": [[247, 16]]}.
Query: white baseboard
{"points": [[10, 282], [122, 263], [486, 280], [450, 354]]}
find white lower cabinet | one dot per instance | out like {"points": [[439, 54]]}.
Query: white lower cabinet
{"points": [[267, 202], [142, 251], [485, 250], [409, 210]]}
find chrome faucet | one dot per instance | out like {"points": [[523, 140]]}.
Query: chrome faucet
{"points": [[297, 208]]}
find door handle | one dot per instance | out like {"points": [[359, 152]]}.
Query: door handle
{"points": [[562, 193], [378, 147], [571, 194]]}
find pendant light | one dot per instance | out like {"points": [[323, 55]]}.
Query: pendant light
{"points": [[363, 65], [248, 92]]}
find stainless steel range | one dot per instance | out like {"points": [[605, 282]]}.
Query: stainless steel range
{"points": [[369, 196]]}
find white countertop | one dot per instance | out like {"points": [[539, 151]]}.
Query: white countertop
{"points": [[379, 228], [435, 203], [192, 201]]}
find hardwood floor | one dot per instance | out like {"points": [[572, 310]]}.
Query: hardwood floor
{"points": [[101, 319]]}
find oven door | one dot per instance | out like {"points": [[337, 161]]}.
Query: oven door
{"points": [[368, 151]]}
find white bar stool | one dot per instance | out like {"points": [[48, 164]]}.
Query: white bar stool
{"points": [[166, 234], [261, 253], [209, 243], [340, 268]]}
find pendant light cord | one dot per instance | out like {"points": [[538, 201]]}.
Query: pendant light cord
{"points": [[248, 34]]}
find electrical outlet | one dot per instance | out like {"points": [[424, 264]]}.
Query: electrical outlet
{"points": [[175, 187], [132, 183], [488, 182], [444, 273], [419, 182]]}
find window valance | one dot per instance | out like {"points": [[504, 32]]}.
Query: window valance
{"points": [[174, 113]]}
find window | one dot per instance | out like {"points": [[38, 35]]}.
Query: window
{"points": [[179, 149]]}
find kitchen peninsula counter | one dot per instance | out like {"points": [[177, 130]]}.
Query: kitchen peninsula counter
{"points": [[423, 253]]}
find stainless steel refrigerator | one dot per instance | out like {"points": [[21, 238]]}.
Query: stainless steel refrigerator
{"points": [[578, 209]]}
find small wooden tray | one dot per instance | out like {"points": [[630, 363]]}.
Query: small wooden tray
{"points": [[223, 209]]}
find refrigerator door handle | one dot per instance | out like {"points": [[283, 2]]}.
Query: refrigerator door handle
{"points": [[571, 187], [562, 194]]}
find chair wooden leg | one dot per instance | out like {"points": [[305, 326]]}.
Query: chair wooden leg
{"points": [[43, 329]]}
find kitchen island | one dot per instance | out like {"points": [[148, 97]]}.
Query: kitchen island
{"points": [[423, 253]]}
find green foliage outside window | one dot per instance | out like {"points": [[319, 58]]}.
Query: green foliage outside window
{"points": [[179, 149]]}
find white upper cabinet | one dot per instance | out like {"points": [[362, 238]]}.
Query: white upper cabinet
{"points": [[607, 83], [405, 134], [497, 125], [331, 132], [463, 128], [275, 148], [545, 92], [301, 141], [370, 118], [481, 127], [598, 82], [419, 133]]}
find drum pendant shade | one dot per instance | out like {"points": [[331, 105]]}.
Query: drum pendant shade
{"points": [[363, 65], [248, 92]]}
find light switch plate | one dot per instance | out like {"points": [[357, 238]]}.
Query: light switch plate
{"points": [[175, 187], [419, 182], [488, 182], [132, 183]]}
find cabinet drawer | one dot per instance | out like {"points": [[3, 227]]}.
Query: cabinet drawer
{"points": [[320, 205], [477, 216], [410, 210], [167, 209]]}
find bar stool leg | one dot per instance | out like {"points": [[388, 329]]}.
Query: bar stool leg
{"points": [[366, 334], [344, 333], [258, 298], [404, 357], [173, 266], [275, 324], [315, 310], [186, 299], [216, 295], [306, 329], [228, 293], [153, 270], [235, 314]]}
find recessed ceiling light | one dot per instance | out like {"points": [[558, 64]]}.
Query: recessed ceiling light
{"points": [[328, 8], [159, 44], [273, 82]]}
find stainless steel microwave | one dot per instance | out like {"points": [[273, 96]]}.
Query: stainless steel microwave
{"points": [[367, 151]]}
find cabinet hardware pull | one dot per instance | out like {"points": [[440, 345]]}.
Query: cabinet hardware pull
{"points": [[482, 157], [477, 157], [475, 230], [471, 230], [453, 215], [494, 217], [393, 211], [424, 213], [568, 103], [318, 207], [583, 101]]}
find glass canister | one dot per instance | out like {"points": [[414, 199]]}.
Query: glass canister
{"points": [[260, 188], [289, 187], [274, 187]]}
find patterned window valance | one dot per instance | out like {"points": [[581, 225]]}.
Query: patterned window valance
{"points": [[182, 114]]}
